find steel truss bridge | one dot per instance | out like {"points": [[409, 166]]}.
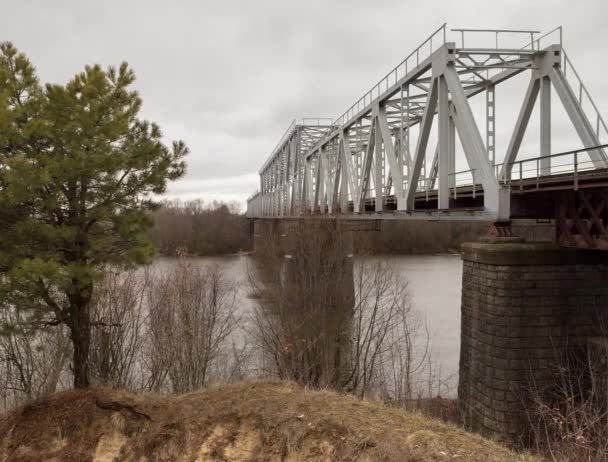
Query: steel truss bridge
{"points": [[374, 161]]}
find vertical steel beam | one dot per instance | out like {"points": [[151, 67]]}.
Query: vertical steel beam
{"points": [[328, 177], [406, 141], [378, 170], [452, 149], [319, 205], [545, 125], [443, 193], [299, 180], [343, 179], [307, 194], [349, 170], [491, 122]]}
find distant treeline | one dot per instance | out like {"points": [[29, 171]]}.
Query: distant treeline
{"points": [[199, 228]]}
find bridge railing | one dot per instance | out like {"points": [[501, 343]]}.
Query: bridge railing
{"points": [[574, 80], [462, 178], [427, 184], [548, 38], [286, 135], [497, 34], [412, 61], [584, 98], [309, 122], [564, 166]]}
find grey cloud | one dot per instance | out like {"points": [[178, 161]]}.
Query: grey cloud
{"points": [[228, 77]]}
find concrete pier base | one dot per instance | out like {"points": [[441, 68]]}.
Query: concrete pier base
{"points": [[523, 305]]}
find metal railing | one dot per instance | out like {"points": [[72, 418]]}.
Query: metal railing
{"points": [[412, 61], [564, 163], [462, 178], [574, 80], [537, 40], [581, 92], [286, 135], [318, 122], [497, 33], [255, 193]]}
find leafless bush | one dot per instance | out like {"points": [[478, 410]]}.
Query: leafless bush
{"points": [[304, 305], [408, 356], [191, 315], [326, 319], [380, 298], [118, 314], [569, 421], [235, 362], [33, 361]]}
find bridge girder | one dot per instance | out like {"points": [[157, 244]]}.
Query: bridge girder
{"points": [[366, 156]]}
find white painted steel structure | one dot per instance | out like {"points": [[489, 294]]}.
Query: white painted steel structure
{"points": [[376, 152]]}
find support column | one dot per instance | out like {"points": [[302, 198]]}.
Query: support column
{"points": [[443, 147], [378, 172], [523, 304], [491, 123], [545, 126], [452, 149]]}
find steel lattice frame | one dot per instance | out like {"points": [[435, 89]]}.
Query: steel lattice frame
{"points": [[376, 150]]}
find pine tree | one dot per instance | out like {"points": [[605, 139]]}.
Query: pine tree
{"points": [[78, 175]]}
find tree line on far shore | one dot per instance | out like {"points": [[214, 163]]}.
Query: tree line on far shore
{"points": [[200, 228]]}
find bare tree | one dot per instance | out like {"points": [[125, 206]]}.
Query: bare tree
{"points": [[569, 420], [326, 319], [192, 312], [304, 289], [118, 315], [381, 307]]}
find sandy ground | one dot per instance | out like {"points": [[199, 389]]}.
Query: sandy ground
{"points": [[260, 421]]}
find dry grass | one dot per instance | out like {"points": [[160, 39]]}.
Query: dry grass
{"points": [[262, 421]]}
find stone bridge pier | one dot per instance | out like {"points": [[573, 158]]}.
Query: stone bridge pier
{"points": [[523, 306]]}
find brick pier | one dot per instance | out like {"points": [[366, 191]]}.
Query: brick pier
{"points": [[523, 304]]}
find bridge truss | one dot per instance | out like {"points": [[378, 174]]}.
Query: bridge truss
{"points": [[373, 158]]}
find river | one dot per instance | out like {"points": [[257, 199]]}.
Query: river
{"points": [[434, 286]]}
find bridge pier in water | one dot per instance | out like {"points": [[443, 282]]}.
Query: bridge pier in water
{"points": [[524, 306]]}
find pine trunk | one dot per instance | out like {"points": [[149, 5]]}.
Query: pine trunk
{"points": [[80, 327]]}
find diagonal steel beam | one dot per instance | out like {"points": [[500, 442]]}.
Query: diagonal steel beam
{"points": [[421, 145], [578, 117], [389, 149], [520, 127], [336, 180], [496, 198]]}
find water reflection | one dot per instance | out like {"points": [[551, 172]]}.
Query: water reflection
{"points": [[434, 289]]}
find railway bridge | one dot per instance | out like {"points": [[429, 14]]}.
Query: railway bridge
{"points": [[423, 144]]}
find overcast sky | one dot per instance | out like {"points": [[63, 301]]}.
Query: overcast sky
{"points": [[228, 76]]}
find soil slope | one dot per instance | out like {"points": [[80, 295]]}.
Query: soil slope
{"points": [[263, 421]]}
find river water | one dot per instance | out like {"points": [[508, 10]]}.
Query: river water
{"points": [[434, 286]]}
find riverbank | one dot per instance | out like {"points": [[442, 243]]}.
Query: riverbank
{"points": [[271, 421]]}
